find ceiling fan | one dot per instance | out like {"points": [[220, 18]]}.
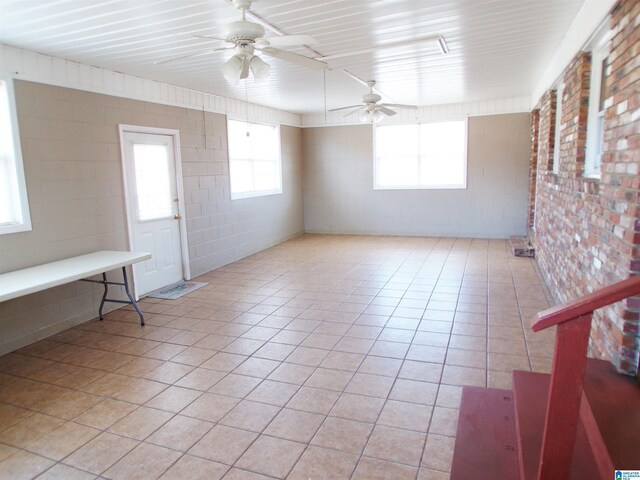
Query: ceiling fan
{"points": [[371, 111], [245, 38]]}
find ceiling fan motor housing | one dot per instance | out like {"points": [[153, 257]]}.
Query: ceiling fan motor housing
{"points": [[243, 30], [371, 98]]}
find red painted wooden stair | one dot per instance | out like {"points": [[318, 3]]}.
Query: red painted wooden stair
{"points": [[579, 423]]}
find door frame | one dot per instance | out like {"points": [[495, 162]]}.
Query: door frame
{"points": [[182, 225]]}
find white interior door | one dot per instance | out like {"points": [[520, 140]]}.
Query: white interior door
{"points": [[152, 208]]}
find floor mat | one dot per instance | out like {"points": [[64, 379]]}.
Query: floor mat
{"points": [[177, 290]]}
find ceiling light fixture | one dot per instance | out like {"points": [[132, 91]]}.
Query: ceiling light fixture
{"points": [[232, 69], [371, 110], [259, 68], [371, 115], [243, 61]]}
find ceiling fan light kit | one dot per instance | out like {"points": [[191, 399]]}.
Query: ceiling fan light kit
{"points": [[371, 116], [247, 37], [250, 36], [259, 68], [370, 111], [238, 66], [232, 69]]}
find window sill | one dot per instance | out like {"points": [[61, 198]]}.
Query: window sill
{"points": [[9, 229], [420, 187], [241, 196]]}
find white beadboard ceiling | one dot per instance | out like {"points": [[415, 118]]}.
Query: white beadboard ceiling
{"points": [[498, 48]]}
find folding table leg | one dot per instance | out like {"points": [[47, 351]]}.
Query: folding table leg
{"points": [[125, 283], [104, 295], [133, 302]]}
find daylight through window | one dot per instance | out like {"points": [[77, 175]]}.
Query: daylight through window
{"points": [[428, 155], [557, 129], [595, 115], [254, 159], [14, 208]]}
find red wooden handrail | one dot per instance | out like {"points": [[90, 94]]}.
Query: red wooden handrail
{"points": [[567, 376], [587, 304]]}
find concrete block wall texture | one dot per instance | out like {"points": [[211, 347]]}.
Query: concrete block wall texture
{"points": [[339, 195], [72, 161], [587, 231]]}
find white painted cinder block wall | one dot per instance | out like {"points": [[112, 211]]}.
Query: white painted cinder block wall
{"points": [[72, 163], [339, 195]]}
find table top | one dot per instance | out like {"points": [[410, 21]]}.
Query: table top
{"points": [[34, 279]]}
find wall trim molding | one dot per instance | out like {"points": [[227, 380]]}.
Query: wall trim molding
{"points": [[36, 67]]}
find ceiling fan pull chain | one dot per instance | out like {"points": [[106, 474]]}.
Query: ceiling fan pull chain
{"points": [[324, 86], [246, 105], [204, 127]]}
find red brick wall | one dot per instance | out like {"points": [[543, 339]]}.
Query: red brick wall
{"points": [[587, 232]]}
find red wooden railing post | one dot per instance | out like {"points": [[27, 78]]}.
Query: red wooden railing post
{"points": [[565, 394], [573, 320]]}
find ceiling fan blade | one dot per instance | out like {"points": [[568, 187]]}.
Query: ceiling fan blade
{"points": [[355, 111], [294, 58], [386, 111], [244, 73], [398, 105], [287, 40], [191, 55], [345, 108]]}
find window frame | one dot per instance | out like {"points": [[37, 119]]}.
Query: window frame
{"points": [[557, 129], [595, 115], [278, 160], [462, 186], [18, 166]]}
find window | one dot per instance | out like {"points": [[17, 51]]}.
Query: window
{"points": [[595, 115], [428, 155], [154, 196], [558, 127], [14, 206], [254, 159]]}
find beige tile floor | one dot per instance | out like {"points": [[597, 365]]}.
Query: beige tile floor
{"points": [[324, 357]]}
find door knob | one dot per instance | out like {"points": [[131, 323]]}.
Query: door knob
{"points": [[177, 216]]}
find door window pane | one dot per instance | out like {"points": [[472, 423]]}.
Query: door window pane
{"points": [[153, 185]]}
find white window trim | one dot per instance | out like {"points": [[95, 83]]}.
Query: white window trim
{"points": [[21, 184], [257, 193], [462, 186], [599, 52], [555, 167]]}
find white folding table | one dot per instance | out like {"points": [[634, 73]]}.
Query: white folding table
{"points": [[41, 277]]}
